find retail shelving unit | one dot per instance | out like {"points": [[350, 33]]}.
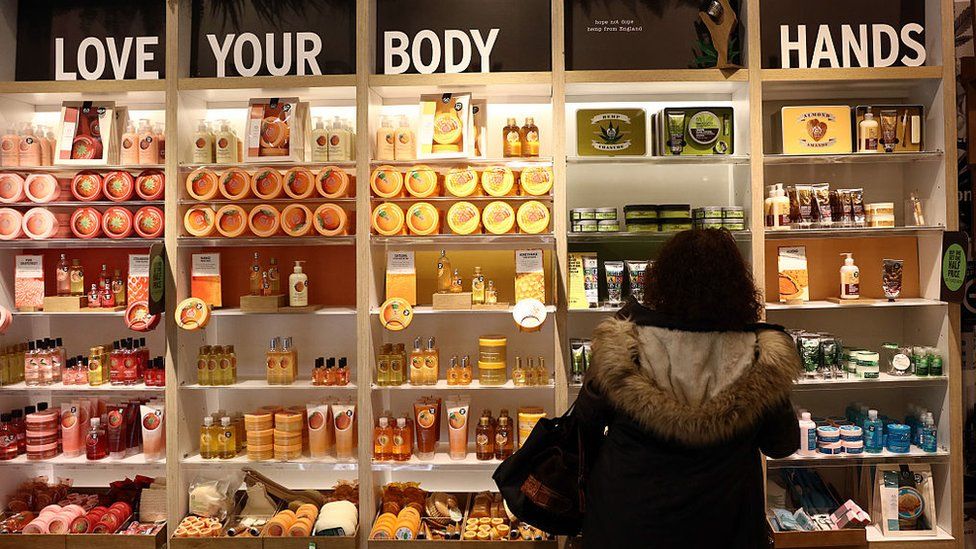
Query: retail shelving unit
{"points": [[348, 326]]}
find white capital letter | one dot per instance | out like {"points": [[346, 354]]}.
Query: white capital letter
{"points": [[395, 45], [119, 61], [881, 60], [450, 36], [799, 46], [220, 52], [252, 39], [912, 44], [145, 56], [435, 51], [91, 42], [824, 48], [484, 47], [308, 55], [285, 54], [59, 72], [858, 45]]}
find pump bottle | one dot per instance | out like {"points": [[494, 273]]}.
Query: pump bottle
{"points": [[850, 278], [298, 287]]}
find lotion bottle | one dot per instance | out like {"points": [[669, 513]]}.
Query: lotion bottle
{"points": [[226, 144], [340, 141], [320, 142], [850, 278], [10, 149], [148, 144], [808, 435], [30, 147], [405, 146], [298, 287], [868, 130], [129, 150], [385, 137], [203, 149]]}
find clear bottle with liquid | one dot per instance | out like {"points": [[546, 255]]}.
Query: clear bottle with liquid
{"points": [[457, 284], [417, 374], [491, 293], [383, 365], [274, 277], [272, 361], [63, 276], [454, 372], [254, 275], [228, 441], [397, 364], [529, 135], [478, 287], [541, 373], [118, 288], [206, 438], [444, 273], [467, 372], [203, 372], [76, 275], [432, 363], [518, 373], [511, 140]]}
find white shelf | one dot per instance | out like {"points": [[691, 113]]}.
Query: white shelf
{"points": [[135, 203], [442, 462], [429, 310], [345, 164], [311, 202], [60, 459], [62, 388], [100, 242], [81, 313], [519, 162], [601, 310], [262, 385], [324, 311], [852, 158], [248, 241], [466, 240], [302, 464], [656, 160], [874, 535], [915, 455], [886, 381], [852, 232], [474, 386], [830, 305], [82, 168], [634, 237]]}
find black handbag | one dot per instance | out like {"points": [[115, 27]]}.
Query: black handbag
{"points": [[542, 483]]}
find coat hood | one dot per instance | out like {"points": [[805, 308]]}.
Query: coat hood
{"points": [[696, 387]]}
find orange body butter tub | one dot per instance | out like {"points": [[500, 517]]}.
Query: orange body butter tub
{"points": [[331, 220], [231, 220], [533, 217], [202, 184], [11, 224], [386, 182], [12, 188], [498, 181], [266, 184], [299, 183], [464, 218], [235, 184], [388, 219], [296, 220], [264, 220], [536, 181], [332, 182], [199, 221], [423, 219], [461, 182], [421, 181], [498, 218]]}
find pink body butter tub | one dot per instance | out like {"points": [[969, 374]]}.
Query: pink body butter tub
{"points": [[11, 188], [11, 224], [42, 188], [41, 224]]}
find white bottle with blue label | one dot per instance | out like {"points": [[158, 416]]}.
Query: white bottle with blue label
{"points": [[873, 433], [930, 437], [808, 436]]}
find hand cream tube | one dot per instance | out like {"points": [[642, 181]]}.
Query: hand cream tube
{"points": [[320, 430], [457, 421], [889, 127], [71, 439], [676, 131], [153, 431], [615, 281], [891, 276], [344, 416], [636, 269]]}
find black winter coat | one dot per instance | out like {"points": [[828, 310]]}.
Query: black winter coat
{"points": [[675, 418]]}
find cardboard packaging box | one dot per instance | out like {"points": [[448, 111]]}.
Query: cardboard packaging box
{"points": [[275, 130], [90, 133], [817, 129], [446, 126], [205, 278]]}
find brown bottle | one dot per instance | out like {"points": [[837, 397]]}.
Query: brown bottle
{"points": [[529, 135], [484, 437], [511, 140], [504, 436]]}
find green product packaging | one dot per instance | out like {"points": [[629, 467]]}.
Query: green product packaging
{"points": [[617, 132], [703, 131]]}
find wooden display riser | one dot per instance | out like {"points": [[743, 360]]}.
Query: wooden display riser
{"points": [[83, 541], [315, 542], [852, 538]]}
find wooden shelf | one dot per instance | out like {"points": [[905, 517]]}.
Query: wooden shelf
{"points": [[101, 242], [607, 83], [474, 386], [262, 385], [221, 242], [852, 232], [859, 74], [885, 381], [851, 158], [268, 82], [732, 159], [493, 85], [662, 75], [62, 388], [830, 305]]}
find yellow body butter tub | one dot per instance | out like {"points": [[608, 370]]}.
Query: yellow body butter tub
{"points": [[498, 181], [423, 219], [461, 182], [498, 218], [536, 181], [533, 217], [388, 219], [464, 218]]}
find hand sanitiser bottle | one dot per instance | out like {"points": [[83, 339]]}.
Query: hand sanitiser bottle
{"points": [[850, 278], [873, 431], [808, 436]]}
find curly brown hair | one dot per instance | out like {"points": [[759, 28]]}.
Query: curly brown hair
{"points": [[701, 278]]}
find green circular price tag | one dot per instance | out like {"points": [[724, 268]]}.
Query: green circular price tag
{"points": [[954, 267]]}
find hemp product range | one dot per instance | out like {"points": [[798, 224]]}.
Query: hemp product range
{"points": [[581, 354], [618, 132], [824, 357], [695, 131]]}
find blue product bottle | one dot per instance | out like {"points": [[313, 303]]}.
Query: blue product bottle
{"points": [[930, 436], [873, 433]]}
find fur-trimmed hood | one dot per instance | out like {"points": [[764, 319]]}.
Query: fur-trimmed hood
{"points": [[692, 386]]}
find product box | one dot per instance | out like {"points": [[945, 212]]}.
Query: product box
{"points": [[694, 131], [445, 129], [530, 280], [275, 130], [90, 133], [794, 279], [583, 280], [618, 132], [904, 500], [900, 127], [29, 282], [205, 278], [479, 117], [137, 281], [817, 129], [401, 276]]}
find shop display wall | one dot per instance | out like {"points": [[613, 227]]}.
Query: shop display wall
{"points": [[347, 273]]}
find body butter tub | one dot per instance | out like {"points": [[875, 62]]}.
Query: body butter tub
{"points": [[296, 220], [603, 214], [11, 224], [264, 220], [86, 186], [199, 221], [148, 222], [643, 226], [41, 188], [421, 182], [299, 183], [231, 220], [669, 225], [86, 223], [234, 184], [388, 219], [461, 182], [386, 182], [267, 184], [331, 220], [734, 224], [498, 181], [202, 184], [117, 222], [733, 212], [674, 211], [464, 218], [423, 219], [638, 212], [708, 212], [586, 226], [118, 186], [332, 182], [150, 185], [498, 218], [41, 224], [608, 226], [533, 217], [11, 188], [537, 181], [583, 214]]}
